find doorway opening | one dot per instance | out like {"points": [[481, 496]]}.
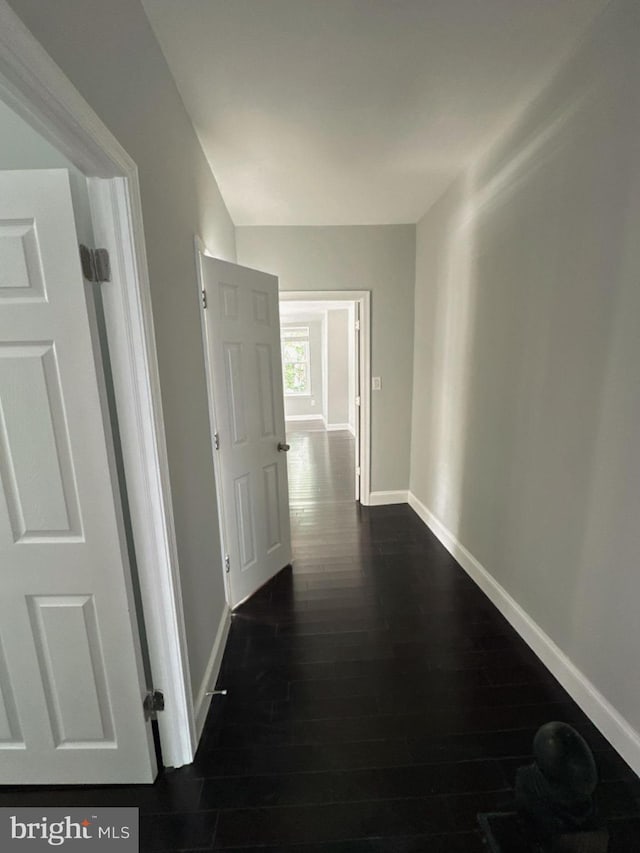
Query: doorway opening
{"points": [[325, 358]]}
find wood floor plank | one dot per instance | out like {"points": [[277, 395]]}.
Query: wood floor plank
{"points": [[376, 699]]}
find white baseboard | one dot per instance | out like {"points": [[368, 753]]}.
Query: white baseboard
{"points": [[304, 418], [384, 498], [202, 701], [336, 427], [600, 711]]}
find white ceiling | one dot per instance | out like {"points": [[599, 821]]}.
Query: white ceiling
{"points": [[345, 112]]}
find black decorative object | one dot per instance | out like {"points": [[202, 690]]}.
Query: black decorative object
{"points": [[555, 809], [555, 794]]}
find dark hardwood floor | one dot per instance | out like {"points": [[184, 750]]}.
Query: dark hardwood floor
{"points": [[376, 700], [321, 465]]}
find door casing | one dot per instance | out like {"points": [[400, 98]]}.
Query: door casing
{"points": [[363, 299], [34, 86]]}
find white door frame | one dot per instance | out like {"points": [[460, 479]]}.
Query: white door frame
{"points": [[363, 298], [35, 87]]}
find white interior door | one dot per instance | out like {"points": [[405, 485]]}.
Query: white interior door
{"points": [[71, 683], [243, 343]]}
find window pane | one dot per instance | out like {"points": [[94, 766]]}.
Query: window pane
{"points": [[295, 332], [294, 352], [295, 360], [295, 378]]}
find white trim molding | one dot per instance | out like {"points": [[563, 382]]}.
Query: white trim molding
{"points": [[293, 418], [35, 87], [618, 731], [137, 393], [338, 428], [38, 90], [388, 498], [202, 701]]}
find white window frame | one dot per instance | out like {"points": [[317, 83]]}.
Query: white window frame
{"points": [[307, 392]]}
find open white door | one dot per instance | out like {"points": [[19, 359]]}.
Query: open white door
{"points": [[71, 682], [242, 324]]}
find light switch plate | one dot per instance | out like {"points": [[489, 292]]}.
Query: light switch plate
{"points": [[376, 385]]}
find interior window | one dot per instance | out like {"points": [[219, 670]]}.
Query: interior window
{"points": [[295, 360]]}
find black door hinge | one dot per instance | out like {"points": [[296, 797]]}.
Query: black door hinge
{"points": [[96, 265], [153, 703]]}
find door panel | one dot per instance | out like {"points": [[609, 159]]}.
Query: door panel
{"points": [[243, 351], [67, 642], [246, 526], [261, 308], [272, 499], [229, 300], [10, 733], [20, 274], [266, 393], [71, 683], [235, 392], [36, 463]]}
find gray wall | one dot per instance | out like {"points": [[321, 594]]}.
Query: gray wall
{"points": [[379, 258], [21, 147], [311, 405], [526, 393], [109, 52], [337, 367]]}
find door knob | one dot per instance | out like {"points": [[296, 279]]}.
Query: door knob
{"points": [[283, 447]]}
